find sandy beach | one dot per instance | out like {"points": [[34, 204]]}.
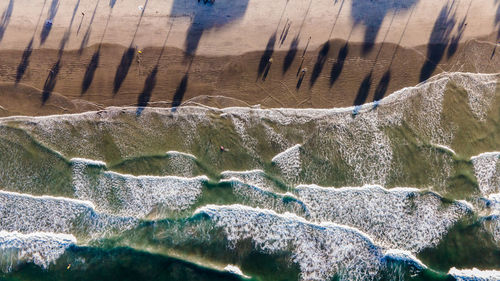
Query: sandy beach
{"points": [[69, 56]]}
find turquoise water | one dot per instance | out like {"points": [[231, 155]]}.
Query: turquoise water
{"points": [[406, 190]]}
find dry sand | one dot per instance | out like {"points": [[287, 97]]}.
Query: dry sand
{"points": [[234, 27], [83, 62]]}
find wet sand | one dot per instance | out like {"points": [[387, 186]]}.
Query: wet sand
{"points": [[192, 54]]}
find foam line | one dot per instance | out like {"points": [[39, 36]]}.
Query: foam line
{"points": [[40, 248], [487, 171], [26, 213], [235, 270], [401, 218], [320, 250], [178, 153], [474, 274], [135, 196], [405, 256]]}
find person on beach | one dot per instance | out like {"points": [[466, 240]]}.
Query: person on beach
{"points": [[139, 60]]}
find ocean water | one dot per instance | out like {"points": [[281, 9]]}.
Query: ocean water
{"points": [[407, 189]]}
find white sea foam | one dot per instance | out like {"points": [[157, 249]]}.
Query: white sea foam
{"points": [[39, 248], [26, 213], [88, 162], [253, 177], [402, 218], [474, 274], [258, 197], [405, 256], [494, 200], [494, 217], [480, 90], [361, 142], [321, 251], [487, 171], [241, 125], [289, 163], [178, 153], [235, 270], [446, 148], [181, 164], [135, 196]]}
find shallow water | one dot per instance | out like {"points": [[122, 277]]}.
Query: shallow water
{"points": [[404, 190]]}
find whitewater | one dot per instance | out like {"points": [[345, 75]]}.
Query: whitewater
{"points": [[374, 195]]}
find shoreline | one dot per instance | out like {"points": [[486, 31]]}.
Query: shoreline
{"points": [[343, 77]]}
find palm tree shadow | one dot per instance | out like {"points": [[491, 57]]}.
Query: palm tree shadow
{"points": [[127, 58], [438, 41], [25, 61], [123, 68], [206, 15], [290, 55], [339, 64], [88, 77], [320, 63], [50, 82], [180, 92], [363, 90], [266, 56], [86, 36], [382, 86], [47, 27], [371, 14], [145, 95], [5, 19]]}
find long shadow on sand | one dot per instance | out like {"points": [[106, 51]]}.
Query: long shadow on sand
{"points": [[290, 55], [88, 77], [292, 51], [382, 86], [364, 89], [127, 58], [452, 49], [320, 63], [180, 92], [266, 56], [206, 16], [50, 82], [86, 36], [497, 18], [145, 95], [338, 66], [25, 61], [47, 26], [123, 68], [5, 19], [25, 58], [371, 14], [94, 61], [438, 41], [150, 83]]}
